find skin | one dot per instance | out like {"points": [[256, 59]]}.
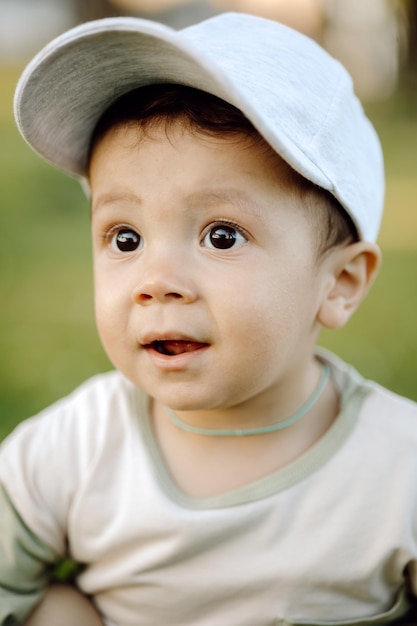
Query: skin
{"points": [[223, 336], [63, 605], [239, 324], [176, 285]]}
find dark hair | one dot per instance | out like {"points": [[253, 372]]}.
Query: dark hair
{"points": [[145, 107]]}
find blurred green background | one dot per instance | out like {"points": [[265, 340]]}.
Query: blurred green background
{"points": [[48, 341]]}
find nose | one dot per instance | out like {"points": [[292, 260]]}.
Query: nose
{"points": [[163, 283]]}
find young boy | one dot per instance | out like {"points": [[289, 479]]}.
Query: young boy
{"points": [[227, 472]]}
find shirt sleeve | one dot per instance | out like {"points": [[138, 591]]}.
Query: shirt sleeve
{"points": [[36, 485], [25, 565]]}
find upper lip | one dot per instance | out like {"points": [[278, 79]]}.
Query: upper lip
{"points": [[150, 338]]}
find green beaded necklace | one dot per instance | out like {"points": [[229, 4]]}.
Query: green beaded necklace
{"points": [[243, 432]]}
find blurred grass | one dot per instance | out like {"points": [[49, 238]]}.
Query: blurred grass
{"points": [[48, 341]]}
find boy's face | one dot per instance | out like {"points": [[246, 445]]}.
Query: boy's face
{"points": [[207, 284]]}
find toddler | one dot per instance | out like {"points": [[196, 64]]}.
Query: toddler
{"points": [[228, 471]]}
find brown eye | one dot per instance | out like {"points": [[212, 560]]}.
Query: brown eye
{"points": [[223, 237], [126, 240]]}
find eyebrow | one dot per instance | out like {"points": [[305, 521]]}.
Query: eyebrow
{"points": [[111, 198], [226, 195], [203, 198]]}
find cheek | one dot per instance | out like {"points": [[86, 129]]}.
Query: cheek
{"points": [[275, 306], [110, 309], [113, 331], [253, 312], [106, 326]]}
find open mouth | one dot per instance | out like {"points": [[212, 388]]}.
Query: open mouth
{"points": [[171, 347]]}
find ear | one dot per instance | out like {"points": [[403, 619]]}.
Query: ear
{"points": [[353, 269]]}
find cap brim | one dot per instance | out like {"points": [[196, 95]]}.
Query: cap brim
{"points": [[297, 97], [66, 88]]}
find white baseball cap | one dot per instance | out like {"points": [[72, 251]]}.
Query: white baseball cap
{"points": [[295, 94]]}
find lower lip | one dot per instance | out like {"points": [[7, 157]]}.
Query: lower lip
{"points": [[175, 362]]}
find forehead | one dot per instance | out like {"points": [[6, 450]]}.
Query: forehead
{"points": [[182, 165], [136, 135]]}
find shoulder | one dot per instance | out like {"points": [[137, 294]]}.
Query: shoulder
{"points": [[78, 423], [374, 404], [50, 457], [93, 399], [392, 411], [95, 392]]}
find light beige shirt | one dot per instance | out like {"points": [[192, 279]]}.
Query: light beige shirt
{"points": [[329, 539]]}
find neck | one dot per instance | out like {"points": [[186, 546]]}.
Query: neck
{"points": [[259, 430]]}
